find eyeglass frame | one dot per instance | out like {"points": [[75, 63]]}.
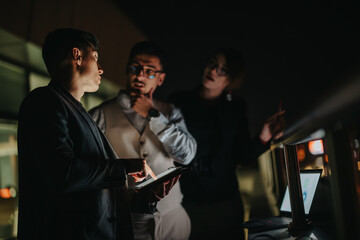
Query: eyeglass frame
{"points": [[213, 64], [142, 69]]}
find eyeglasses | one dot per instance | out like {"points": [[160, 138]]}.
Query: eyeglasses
{"points": [[213, 64], [148, 71]]}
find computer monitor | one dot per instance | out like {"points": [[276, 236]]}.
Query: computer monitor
{"points": [[309, 180]]}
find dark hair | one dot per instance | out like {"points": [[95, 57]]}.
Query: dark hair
{"points": [[236, 65], [59, 43], [149, 48]]}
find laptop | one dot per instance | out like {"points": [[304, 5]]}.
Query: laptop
{"points": [[309, 180]]}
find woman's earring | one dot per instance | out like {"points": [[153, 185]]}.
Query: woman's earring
{"points": [[229, 96]]}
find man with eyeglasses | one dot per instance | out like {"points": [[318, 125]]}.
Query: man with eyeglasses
{"points": [[139, 126]]}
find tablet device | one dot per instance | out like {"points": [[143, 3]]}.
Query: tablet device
{"points": [[161, 178]]}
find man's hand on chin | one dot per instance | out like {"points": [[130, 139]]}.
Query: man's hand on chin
{"points": [[142, 103]]}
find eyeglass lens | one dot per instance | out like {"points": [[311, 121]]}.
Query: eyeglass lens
{"points": [[213, 64], [136, 69]]}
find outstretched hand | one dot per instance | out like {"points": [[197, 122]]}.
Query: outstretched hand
{"points": [[273, 127]]}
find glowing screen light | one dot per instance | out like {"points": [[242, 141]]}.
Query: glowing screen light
{"points": [[316, 147]]}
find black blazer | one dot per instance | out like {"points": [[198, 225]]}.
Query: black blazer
{"points": [[70, 182], [221, 130]]}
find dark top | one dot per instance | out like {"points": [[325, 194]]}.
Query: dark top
{"points": [[69, 180], [220, 128]]}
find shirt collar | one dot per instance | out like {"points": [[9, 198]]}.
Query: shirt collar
{"points": [[124, 99]]}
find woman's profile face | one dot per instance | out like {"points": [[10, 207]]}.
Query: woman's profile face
{"points": [[216, 73]]}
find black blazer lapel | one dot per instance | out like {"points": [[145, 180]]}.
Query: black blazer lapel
{"points": [[76, 107]]}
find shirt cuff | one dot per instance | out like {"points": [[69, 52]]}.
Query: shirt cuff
{"points": [[158, 124]]}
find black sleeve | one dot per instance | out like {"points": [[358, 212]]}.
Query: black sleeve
{"points": [[49, 150], [250, 148]]}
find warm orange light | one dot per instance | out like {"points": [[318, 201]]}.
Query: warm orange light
{"points": [[316, 147], [301, 154], [5, 193], [326, 158]]}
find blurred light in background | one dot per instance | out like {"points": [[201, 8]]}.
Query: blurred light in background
{"points": [[300, 151], [316, 147]]}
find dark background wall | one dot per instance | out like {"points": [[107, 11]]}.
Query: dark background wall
{"points": [[31, 20], [295, 51]]}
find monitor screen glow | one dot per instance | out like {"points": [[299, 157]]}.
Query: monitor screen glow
{"points": [[309, 182]]}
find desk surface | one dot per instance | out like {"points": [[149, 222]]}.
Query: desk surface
{"points": [[317, 232]]}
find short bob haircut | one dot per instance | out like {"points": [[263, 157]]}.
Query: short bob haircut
{"points": [[235, 64], [59, 43]]}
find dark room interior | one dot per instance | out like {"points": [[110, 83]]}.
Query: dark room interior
{"points": [[300, 56]]}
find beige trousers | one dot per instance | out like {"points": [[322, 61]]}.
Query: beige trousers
{"points": [[174, 225]]}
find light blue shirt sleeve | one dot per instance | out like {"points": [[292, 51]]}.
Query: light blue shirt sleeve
{"points": [[175, 137]]}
